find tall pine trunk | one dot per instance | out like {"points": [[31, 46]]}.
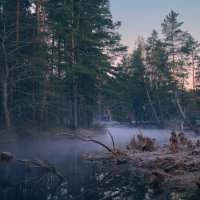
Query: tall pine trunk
{"points": [[38, 16], [74, 81], [17, 29], [15, 68], [52, 50], [43, 118], [43, 16], [5, 86]]}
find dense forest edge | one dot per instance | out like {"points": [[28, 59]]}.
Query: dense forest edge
{"points": [[59, 69]]}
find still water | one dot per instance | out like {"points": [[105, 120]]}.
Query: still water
{"points": [[84, 180]]}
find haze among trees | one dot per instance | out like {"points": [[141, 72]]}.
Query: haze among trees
{"points": [[57, 67]]}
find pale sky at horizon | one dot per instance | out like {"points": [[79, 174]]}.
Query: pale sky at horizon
{"points": [[140, 17]]}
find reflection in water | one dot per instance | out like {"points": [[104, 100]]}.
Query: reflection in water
{"points": [[98, 185], [83, 180]]}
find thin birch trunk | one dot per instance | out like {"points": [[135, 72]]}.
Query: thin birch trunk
{"points": [[180, 107], [52, 51], [151, 104]]}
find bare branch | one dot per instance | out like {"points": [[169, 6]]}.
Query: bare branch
{"points": [[89, 140], [44, 164], [112, 140]]}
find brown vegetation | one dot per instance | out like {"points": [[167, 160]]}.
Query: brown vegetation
{"points": [[175, 163], [143, 143]]}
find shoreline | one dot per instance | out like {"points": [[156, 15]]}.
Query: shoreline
{"points": [[175, 166]]}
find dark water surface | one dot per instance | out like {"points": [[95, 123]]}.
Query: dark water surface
{"points": [[84, 180]]}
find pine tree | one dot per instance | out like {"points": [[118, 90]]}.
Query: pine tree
{"points": [[159, 74], [171, 29]]}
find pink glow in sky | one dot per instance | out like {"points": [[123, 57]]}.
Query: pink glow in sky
{"points": [[140, 17]]}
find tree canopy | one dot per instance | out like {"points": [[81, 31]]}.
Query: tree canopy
{"points": [[58, 67]]}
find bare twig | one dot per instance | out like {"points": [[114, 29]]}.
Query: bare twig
{"points": [[95, 141], [89, 139], [112, 140]]}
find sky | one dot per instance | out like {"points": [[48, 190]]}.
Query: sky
{"points": [[140, 17]]}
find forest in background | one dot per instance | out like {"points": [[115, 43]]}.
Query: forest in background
{"points": [[58, 68]]}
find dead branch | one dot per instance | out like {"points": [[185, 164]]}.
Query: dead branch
{"points": [[89, 139], [44, 164], [96, 141], [116, 154], [112, 140]]}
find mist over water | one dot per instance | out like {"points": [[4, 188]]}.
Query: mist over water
{"points": [[66, 155], [123, 135]]}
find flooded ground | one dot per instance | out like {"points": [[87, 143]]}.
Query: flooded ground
{"points": [[84, 180]]}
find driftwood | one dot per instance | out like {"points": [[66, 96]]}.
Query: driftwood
{"points": [[89, 139], [112, 150], [43, 164], [113, 153]]}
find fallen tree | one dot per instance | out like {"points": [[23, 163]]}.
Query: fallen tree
{"points": [[119, 156], [43, 164]]}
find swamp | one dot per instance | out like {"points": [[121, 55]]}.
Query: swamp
{"points": [[99, 100], [90, 171]]}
